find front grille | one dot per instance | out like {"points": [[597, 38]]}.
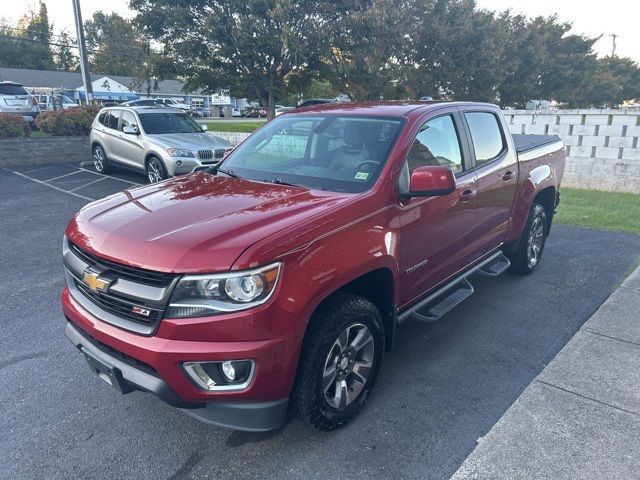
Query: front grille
{"points": [[139, 275], [119, 307], [211, 154]]}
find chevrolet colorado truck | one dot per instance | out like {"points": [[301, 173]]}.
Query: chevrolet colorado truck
{"points": [[278, 277]]}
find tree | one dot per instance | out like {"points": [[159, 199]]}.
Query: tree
{"points": [[114, 46], [257, 48], [64, 58], [28, 45]]}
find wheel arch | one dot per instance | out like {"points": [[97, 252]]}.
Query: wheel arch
{"points": [[378, 287]]}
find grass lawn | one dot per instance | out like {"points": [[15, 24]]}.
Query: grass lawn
{"points": [[601, 210], [234, 126]]}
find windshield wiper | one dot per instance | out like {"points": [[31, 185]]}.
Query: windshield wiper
{"points": [[229, 173], [279, 181]]}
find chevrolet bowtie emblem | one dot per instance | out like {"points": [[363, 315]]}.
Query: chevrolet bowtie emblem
{"points": [[94, 282]]}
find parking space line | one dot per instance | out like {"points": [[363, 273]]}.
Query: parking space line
{"points": [[107, 176], [61, 176], [41, 182], [87, 184]]}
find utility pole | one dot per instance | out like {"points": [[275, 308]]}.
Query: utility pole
{"points": [[82, 49], [613, 46]]}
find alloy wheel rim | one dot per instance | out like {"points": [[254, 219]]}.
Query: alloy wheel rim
{"points": [[153, 172], [534, 244], [98, 158], [348, 365]]}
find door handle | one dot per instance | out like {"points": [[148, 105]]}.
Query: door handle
{"points": [[508, 176], [467, 195]]}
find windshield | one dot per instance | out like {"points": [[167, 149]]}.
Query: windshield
{"points": [[157, 123], [330, 152]]}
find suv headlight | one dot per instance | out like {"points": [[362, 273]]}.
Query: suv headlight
{"points": [[179, 152], [204, 295]]}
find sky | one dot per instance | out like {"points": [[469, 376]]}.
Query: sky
{"points": [[589, 17]]}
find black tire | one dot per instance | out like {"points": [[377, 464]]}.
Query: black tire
{"points": [[100, 161], [156, 171], [535, 230], [344, 313]]}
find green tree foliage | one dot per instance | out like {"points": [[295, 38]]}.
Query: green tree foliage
{"points": [[28, 45], [63, 53], [256, 48]]}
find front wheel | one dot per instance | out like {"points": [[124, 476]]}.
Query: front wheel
{"points": [[340, 361], [155, 170], [531, 245]]}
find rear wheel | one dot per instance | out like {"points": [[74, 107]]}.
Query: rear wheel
{"points": [[100, 160], [155, 170], [531, 245], [339, 363]]}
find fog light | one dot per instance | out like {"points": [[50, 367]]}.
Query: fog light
{"points": [[178, 162], [224, 375], [228, 371]]}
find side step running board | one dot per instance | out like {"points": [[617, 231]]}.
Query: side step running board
{"points": [[435, 305], [448, 300], [495, 267]]}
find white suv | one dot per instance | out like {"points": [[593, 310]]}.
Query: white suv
{"points": [[15, 99], [170, 102], [157, 140]]}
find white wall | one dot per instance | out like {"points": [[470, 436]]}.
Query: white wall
{"points": [[603, 150]]}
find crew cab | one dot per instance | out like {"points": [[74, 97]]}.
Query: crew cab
{"points": [[279, 276]]}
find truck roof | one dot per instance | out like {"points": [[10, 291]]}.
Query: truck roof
{"points": [[387, 108]]}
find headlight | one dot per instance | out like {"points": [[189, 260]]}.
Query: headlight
{"points": [[179, 152], [203, 295]]}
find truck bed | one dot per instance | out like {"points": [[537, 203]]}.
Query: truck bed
{"points": [[524, 143]]}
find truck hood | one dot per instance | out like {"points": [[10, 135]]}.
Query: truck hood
{"points": [[200, 223]]}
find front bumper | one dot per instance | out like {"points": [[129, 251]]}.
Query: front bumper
{"points": [[249, 416]]}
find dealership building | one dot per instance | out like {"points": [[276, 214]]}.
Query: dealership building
{"points": [[112, 88]]}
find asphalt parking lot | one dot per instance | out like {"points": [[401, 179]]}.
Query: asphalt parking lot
{"points": [[442, 389]]}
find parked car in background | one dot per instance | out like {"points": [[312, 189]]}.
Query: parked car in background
{"points": [[315, 101], [280, 276], [171, 102], [204, 112], [254, 111], [53, 102], [280, 110], [15, 99], [159, 141], [236, 112], [149, 102], [194, 112]]}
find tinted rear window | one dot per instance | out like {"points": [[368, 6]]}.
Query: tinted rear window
{"points": [[12, 90], [486, 135]]}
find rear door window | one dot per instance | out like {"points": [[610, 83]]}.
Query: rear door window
{"points": [[111, 119], [486, 136]]}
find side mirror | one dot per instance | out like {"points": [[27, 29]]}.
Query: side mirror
{"points": [[431, 181], [204, 128], [130, 129]]}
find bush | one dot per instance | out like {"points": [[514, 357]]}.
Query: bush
{"points": [[12, 125], [73, 121]]}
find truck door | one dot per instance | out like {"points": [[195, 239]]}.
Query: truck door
{"points": [[496, 166], [436, 232]]}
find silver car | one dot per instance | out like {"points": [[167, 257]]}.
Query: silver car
{"points": [[162, 142], [15, 99]]}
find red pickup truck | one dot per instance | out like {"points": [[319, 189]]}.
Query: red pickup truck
{"points": [[278, 277]]}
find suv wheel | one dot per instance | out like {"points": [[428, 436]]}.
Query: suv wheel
{"points": [[155, 170], [100, 160], [339, 362], [531, 245]]}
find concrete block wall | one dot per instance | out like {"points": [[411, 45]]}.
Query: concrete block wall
{"points": [[603, 146]]}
